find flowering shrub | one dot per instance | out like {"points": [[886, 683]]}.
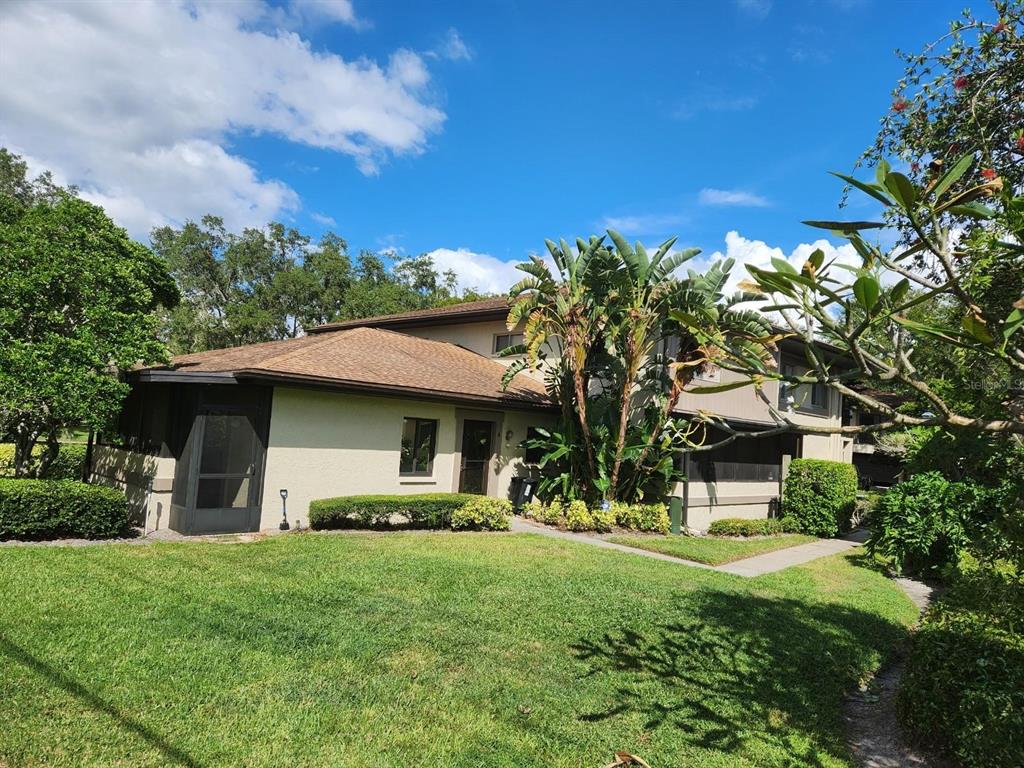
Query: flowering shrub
{"points": [[483, 513]]}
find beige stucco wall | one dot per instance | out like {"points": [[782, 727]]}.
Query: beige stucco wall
{"points": [[325, 444], [133, 472]]}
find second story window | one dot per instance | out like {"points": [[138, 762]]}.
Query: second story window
{"points": [[506, 340], [806, 397], [419, 443]]}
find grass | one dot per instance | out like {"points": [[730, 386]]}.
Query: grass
{"points": [[427, 649], [711, 549]]}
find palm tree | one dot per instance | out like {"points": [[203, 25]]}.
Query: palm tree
{"points": [[565, 314]]}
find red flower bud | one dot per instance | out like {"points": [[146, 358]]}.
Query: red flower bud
{"points": [[1020, 142], [915, 167], [988, 173], [899, 105], [999, 27], [960, 82]]}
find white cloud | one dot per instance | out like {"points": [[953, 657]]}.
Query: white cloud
{"points": [[340, 11], [759, 254], [138, 108], [735, 197], [323, 218], [480, 271], [713, 102], [453, 48], [756, 8], [644, 224]]}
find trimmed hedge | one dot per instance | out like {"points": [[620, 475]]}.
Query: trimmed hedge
{"points": [[483, 514], [419, 510], [820, 495], [963, 688], [68, 465], [56, 509], [736, 526]]}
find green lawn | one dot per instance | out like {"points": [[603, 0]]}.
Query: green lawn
{"points": [[710, 549], [427, 649]]}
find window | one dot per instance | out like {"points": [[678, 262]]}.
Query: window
{"points": [[806, 397], [532, 455], [419, 441], [506, 340], [756, 460]]}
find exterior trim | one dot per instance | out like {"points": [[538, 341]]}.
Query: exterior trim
{"points": [[341, 385]]}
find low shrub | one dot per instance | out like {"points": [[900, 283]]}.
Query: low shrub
{"points": [[604, 519], [642, 517], [736, 526], [68, 464], [578, 517], [821, 495], [421, 510], [55, 509], [924, 524], [483, 514], [963, 688]]}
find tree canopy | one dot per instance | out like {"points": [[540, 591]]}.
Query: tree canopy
{"points": [[274, 283], [77, 310]]}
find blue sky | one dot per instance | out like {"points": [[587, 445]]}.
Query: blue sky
{"points": [[485, 126]]}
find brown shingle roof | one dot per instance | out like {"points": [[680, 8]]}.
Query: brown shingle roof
{"points": [[371, 359], [448, 314]]}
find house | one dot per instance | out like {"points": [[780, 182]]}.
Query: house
{"points": [[406, 403]]}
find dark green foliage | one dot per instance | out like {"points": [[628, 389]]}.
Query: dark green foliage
{"points": [[736, 526], [56, 509], [67, 465], [273, 282], [483, 513], [77, 309], [420, 510], [926, 523], [820, 495], [963, 688]]}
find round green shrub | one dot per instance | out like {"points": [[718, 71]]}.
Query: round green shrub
{"points": [[604, 519], [962, 691], [56, 509], [820, 495], [483, 513], [919, 525], [578, 517], [642, 517]]}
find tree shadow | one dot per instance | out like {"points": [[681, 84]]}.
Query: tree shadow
{"points": [[732, 669], [173, 755]]}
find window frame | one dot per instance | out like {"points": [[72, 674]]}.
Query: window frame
{"points": [[419, 423], [807, 404], [496, 350]]}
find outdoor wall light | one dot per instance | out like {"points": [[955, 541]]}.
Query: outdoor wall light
{"points": [[509, 435], [284, 510]]}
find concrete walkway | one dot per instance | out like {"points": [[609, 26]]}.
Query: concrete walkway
{"points": [[757, 565], [784, 558]]}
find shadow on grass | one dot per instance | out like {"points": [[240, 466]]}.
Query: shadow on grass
{"points": [[172, 754], [740, 673]]}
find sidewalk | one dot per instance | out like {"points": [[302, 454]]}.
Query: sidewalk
{"points": [[749, 567]]}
